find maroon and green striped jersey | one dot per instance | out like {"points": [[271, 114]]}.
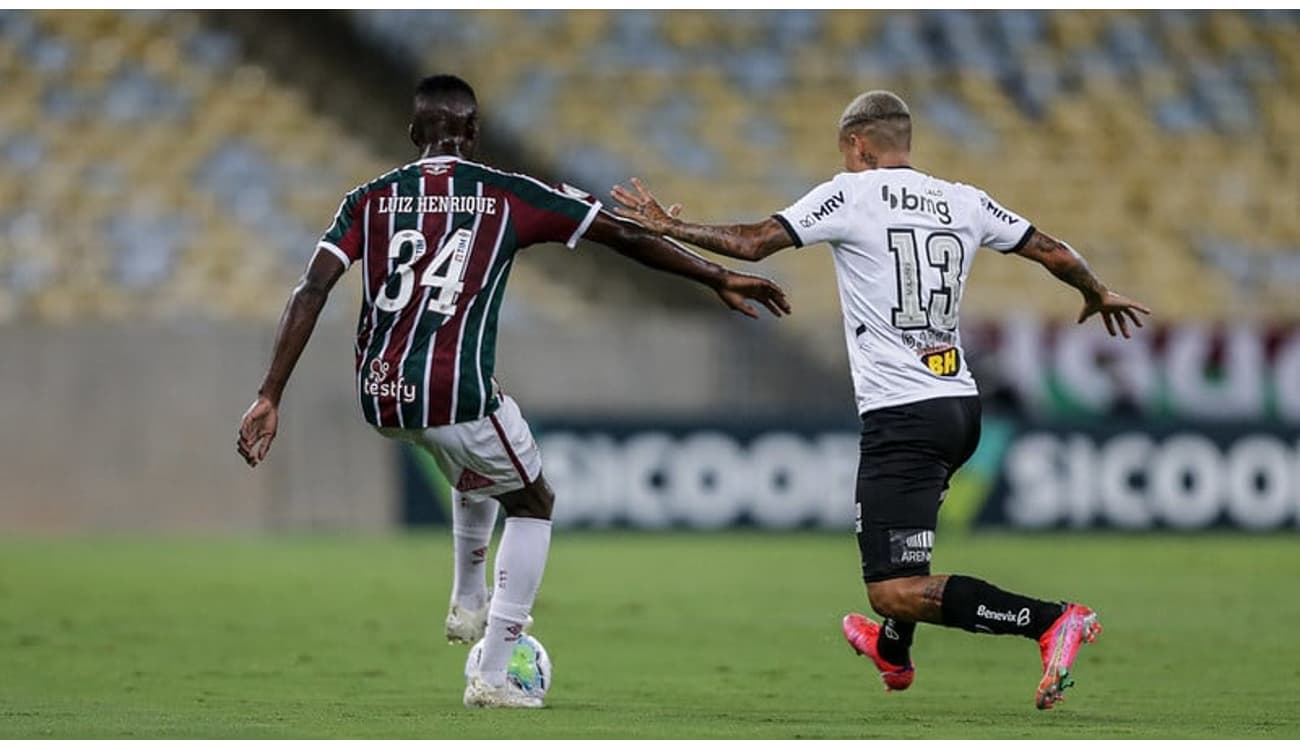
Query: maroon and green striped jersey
{"points": [[436, 240]]}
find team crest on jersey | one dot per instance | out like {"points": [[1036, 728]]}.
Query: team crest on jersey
{"points": [[377, 384]]}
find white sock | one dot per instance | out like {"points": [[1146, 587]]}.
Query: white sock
{"points": [[521, 558], [471, 528]]}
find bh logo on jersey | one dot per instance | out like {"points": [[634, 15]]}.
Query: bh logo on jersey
{"points": [[377, 384], [945, 362]]}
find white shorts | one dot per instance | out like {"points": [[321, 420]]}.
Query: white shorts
{"points": [[484, 458]]}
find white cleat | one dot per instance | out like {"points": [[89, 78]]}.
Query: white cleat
{"points": [[466, 625], [479, 694]]}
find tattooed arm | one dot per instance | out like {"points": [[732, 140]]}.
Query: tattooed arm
{"points": [[1070, 267], [1064, 263], [635, 242], [752, 242]]}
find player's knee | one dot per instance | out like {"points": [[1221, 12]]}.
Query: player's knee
{"points": [[888, 598], [534, 501], [526, 508]]}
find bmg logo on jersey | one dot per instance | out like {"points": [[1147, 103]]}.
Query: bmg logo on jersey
{"points": [[376, 384], [920, 203]]}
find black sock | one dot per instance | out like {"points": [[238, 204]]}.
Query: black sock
{"points": [[972, 604], [896, 641]]}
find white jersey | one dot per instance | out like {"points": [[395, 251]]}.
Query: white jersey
{"points": [[903, 243]]}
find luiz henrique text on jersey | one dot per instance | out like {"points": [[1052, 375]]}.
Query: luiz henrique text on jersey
{"points": [[903, 243], [436, 240]]}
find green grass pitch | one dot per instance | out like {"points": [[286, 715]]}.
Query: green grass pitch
{"points": [[684, 635]]}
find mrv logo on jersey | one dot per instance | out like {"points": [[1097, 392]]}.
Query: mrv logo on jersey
{"points": [[999, 212], [821, 212], [920, 203], [376, 384]]}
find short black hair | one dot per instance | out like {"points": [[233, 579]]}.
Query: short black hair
{"points": [[444, 88], [445, 111]]}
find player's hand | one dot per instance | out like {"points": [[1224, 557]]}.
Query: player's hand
{"points": [[257, 430], [640, 205], [1114, 309], [737, 288]]}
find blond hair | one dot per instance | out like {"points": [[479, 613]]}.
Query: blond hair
{"points": [[882, 117]]}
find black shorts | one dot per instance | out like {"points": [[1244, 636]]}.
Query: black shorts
{"points": [[909, 453]]}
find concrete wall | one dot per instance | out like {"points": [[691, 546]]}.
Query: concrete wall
{"points": [[131, 426]]}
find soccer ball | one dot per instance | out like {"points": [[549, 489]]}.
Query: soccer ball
{"points": [[529, 668]]}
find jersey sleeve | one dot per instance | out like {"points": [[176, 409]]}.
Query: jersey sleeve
{"points": [[1001, 229], [343, 237], [820, 216], [542, 213]]}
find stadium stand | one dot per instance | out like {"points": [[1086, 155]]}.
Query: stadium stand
{"points": [[147, 168], [1160, 143]]}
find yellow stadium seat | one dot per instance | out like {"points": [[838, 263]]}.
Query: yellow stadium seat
{"points": [[1096, 166]]}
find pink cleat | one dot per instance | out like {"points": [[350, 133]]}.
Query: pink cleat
{"points": [[1059, 647], [862, 634]]}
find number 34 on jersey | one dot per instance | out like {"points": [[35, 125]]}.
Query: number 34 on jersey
{"points": [[436, 240], [443, 276]]}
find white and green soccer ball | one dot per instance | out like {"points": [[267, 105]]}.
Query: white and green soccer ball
{"points": [[529, 668]]}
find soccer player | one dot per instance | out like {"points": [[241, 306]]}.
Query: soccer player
{"points": [[436, 240], [903, 242]]}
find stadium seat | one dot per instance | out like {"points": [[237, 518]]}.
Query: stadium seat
{"points": [[1114, 133], [179, 157], [1142, 137]]}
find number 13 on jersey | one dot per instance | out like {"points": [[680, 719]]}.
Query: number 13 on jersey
{"points": [[944, 252], [443, 276]]}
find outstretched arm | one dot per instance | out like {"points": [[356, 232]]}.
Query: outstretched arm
{"points": [[258, 427], [752, 242], [635, 242], [1070, 267]]}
